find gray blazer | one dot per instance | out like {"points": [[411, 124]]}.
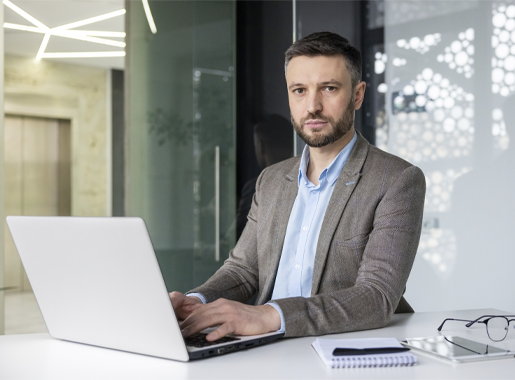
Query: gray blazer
{"points": [[366, 247]]}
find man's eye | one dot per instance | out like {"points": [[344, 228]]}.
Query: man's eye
{"points": [[299, 91], [330, 88]]}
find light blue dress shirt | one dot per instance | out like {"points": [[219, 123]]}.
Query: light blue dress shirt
{"points": [[295, 272]]}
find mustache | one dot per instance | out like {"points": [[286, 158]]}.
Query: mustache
{"points": [[315, 116]]}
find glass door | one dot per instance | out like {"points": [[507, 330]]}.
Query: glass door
{"points": [[214, 180], [181, 174]]}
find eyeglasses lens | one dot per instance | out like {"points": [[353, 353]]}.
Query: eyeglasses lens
{"points": [[497, 328]]}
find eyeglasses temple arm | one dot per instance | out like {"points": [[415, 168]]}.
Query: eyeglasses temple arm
{"points": [[452, 319]]}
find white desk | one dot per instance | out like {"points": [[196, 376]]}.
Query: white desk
{"points": [[38, 356]]}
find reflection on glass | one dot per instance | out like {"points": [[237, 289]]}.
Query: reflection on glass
{"points": [[272, 144]]}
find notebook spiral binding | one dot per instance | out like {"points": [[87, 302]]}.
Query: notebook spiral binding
{"points": [[373, 361]]}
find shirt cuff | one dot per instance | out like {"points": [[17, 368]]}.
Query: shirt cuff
{"points": [[276, 307], [198, 295]]}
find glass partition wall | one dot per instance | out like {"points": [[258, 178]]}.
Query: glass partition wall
{"points": [[181, 174], [449, 84]]}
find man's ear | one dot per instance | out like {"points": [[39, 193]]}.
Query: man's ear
{"points": [[359, 94]]}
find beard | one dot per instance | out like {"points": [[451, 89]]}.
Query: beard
{"points": [[339, 128]]}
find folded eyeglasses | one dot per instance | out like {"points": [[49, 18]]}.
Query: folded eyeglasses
{"points": [[497, 326]]}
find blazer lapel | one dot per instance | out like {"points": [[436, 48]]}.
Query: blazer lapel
{"points": [[343, 188], [287, 193]]}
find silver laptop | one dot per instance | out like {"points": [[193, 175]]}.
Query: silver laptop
{"points": [[97, 281]]}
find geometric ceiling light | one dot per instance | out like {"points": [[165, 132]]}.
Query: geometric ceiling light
{"points": [[64, 31], [150, 19], [86, 54]]}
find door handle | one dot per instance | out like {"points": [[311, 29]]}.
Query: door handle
{"points": [[217, 203]]}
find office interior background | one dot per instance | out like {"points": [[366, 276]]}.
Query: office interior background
{"points": [[151, 111]]}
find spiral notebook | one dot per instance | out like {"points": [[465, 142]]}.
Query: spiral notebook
{"points": [[325, 347]]}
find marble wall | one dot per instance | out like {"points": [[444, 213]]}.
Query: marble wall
{"points": [[80, 94]]}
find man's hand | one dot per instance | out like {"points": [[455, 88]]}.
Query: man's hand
{"points": [[233, 318], [184, 305]]}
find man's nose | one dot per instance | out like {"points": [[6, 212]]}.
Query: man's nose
{"points": [[314, 103]]}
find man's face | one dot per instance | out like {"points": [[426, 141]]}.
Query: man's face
{"points": [[322, 100]]}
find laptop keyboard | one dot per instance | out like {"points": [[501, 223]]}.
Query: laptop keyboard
{"points": [[199, 340]]}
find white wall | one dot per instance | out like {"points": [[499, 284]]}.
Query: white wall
{"points": [[451, 113]]}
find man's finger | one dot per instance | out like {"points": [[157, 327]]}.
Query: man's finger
{"points": [[200, 320], [197, 314], [191, 308], [177, 298], [220, 332], [186, 310], [189, 327]]}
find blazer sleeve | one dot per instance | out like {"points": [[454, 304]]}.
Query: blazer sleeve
{"points": [[382, 275], [238, 278]]}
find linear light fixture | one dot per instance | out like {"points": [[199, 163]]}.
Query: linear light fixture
{"points": [[26, 28], [91, 20], [63, 31], [97, 33], [43, 46], [86, 54], [78, 36], [150, 19], [68, 34], [25, 15]]}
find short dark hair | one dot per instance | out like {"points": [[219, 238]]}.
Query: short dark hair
{"points": [[327, 44]]}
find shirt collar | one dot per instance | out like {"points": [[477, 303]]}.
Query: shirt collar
{"points": [[332, 172]]}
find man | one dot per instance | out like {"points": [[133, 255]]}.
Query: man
{"points": [[331, 235]]}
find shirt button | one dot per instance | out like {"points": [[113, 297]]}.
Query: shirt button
{"points": [[305, 228], [297, 266]]}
